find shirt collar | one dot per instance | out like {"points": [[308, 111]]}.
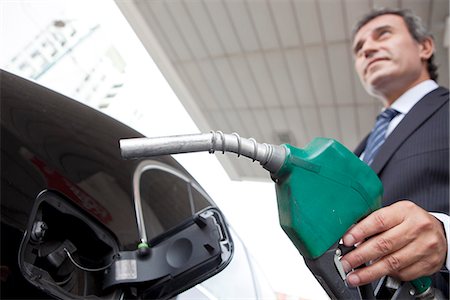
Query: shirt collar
{"points": [[405, 102]]}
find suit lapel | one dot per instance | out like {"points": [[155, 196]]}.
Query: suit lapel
{"points": [[416, 116]]}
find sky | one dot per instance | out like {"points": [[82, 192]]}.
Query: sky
{"points": [[152, 108]]}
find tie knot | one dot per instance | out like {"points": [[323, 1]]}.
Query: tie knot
{"points": [[388, 114]]}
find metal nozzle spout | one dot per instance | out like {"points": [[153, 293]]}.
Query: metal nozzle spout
{"points": [[271, 157]]}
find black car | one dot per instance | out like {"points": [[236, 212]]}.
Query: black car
{"points": [[78, 221]]}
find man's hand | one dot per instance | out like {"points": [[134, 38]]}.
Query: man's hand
{"points": [[402, 240]]}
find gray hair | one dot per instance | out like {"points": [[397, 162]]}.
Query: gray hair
{"points": [[415, 27]]}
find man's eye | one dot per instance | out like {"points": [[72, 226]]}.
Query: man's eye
{"points": [[383, 33]]}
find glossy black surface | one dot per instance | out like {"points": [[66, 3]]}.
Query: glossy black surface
{"points": [[51, 142]]}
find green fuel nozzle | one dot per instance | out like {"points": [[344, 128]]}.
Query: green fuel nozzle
{"points": [[321, 189]]}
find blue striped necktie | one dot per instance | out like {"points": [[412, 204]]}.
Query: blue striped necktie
{"points": [[378, 134]]}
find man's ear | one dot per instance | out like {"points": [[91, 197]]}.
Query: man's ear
{"points": [[426, 48]]}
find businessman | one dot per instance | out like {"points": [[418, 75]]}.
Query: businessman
{"points": [[408, 149]]}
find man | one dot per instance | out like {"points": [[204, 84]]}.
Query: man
{"points": [[406, 239]]}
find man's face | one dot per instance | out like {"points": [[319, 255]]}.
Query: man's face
{"points": [[387, 58]]}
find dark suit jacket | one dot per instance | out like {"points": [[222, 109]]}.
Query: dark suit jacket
{"points": [[413, 163]]}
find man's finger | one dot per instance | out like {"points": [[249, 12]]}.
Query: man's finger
{"points": [[377, 247], [379, 221], [391, 264]]}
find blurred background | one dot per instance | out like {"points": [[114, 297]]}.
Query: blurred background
{"points": [[280, 71]]}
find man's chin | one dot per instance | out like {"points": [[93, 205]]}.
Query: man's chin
{"points": [[378, 87], [377, 82]]}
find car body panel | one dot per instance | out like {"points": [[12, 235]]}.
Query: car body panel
{"points": [[54, 145]]}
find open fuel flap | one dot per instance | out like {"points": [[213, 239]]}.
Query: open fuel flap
{"points": [[68, 254]]}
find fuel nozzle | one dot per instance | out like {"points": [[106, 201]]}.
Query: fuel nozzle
{"points": [[322, 189], [321, 181], [271, 157]]}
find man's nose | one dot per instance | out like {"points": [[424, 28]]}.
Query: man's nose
{"points": [[370, 47]]}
